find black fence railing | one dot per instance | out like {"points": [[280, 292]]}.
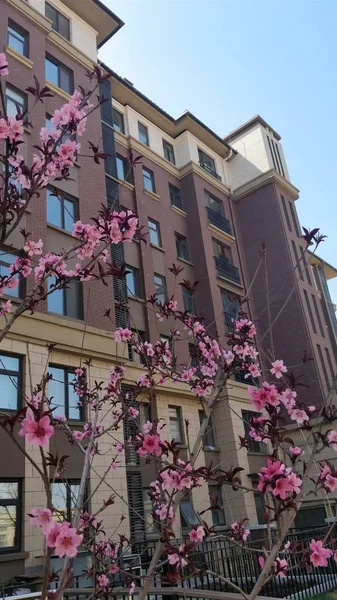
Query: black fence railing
{"points": [[226, 269], [209, 170], [218, 220]]}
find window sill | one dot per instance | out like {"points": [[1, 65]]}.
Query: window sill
{"points": [[65, 317], [211, 449], [230, 281], [252, 453], [13, 556], [58, 91], [152, 195], [19, 57], [61, 230], [157, 247], [221, 233], [137, 298], [180, 211], [188, 262]]}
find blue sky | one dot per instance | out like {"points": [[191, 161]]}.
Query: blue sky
{"points": [[226, 61]]}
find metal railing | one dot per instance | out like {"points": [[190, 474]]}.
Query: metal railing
{"points": [[218, 220], [209, 170], [226, 269]]}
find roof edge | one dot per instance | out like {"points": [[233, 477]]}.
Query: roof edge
{"points": [[120, 22], [250, 123]]}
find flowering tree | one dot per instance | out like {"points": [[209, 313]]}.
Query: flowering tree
{"points": [[283, 477]]}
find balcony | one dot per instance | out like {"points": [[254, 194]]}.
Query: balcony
{"points": [[226, 269], [218, 220], [209, 170]]}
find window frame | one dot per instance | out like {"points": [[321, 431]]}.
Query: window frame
{"points": [[163, 286], [22, 284], [220, 245], [18, 374], [71, 371], [155, 230], [201, 155], [150, 173], [65, 291], [57, 15], [188, 301], [68, 483], [126, 169], [218, 514], [20, 31], [253, 446], [216, 202], [143, 131], [178, 239], [173, 189], [208, 433], [16, 90], [167, 150], [188, 501], [121, 129], [19, 510], [177, 419], [137, 284], [62, 196], [60, 65]]}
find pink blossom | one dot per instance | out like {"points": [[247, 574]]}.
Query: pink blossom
{"points": [[147, 427], [299, 416], [15, 129], [143, 381], [133, 412], [37, 432], [119, 448], [295, 451], [197, 535], [4, 130], [294, 481], [3, 65], [331, 483], [228, 356], [103, 581], [262, 561], [67, 541], [281, 566], [282, 487], [52, 535], [278, 368], [319, 555], [332, 439], [254, 371], [151, 444], [132, 587], [79, 372], [42, 517], [173, 304], [6, 307], [114, 465], [78, 435], [33, 248], [122, 335]]}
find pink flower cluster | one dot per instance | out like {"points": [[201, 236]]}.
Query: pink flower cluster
{"points": [[60, 536], [122, 335], [149, 442], [245, 326], [3, 65], [36, 430], [238, 532], [327, 477], [278, 479], [319, 555]]}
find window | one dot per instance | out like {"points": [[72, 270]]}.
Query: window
{"points": [[188, 515], [311, 517], [325, 372], [10, 381], [148, 180], [182, 247], [298, 264], [175, 196], [215, 496], [118, 120], [275, 155], [18, 38], [123, 168], [133, 282], [66, 301], [216, 205], [6, 260], [318, 316], [188, 301], [333, 373], [259, 500], [286, 214], [59, 75], [231, 307], [208, 439], [59, 22], [61, 210], [253, 446], [62, 394], [294, 218], [311, 316], [176, 429], [15, 100], [168, 152], [10, 515], [305, 266], [155, 237], [207, 163], [64, 498], [192, 350], [143, 134], [222, 251], [160, 285]]}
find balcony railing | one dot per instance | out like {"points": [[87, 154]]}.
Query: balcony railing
{"points": [[226, 269], [209, 170], [218, 220]]}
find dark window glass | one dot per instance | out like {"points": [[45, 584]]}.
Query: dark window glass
{"points": [[208, 439], [308, 518], [298, 263], [6, 260], [216, 205], [160, 285], [318, 316], [61, 210], [294, 218], [10, 381], [231, 307], [222, 251], [218, 514], [59, 22], [59, 75], [305, 266], [123, 168], [64, 498], [193, 354], [188, 515], [66, 301], [325, 372], [253, 446], [143, 134], [118, 120], [175, 196], [133, 282], [260, 508], [168, 152], [206, 161], [148, 180], [62, 394], [188, 301], [18, 38], [154, 229], [332, 371], [15, 100], [311, 316], [176, 428], [10, 515], [286, 214], [182, 247]]}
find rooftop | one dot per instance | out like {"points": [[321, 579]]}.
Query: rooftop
{"points": [[106, 24], [329, 271], [248, 125]]}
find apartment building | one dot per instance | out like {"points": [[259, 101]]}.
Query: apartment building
{"points": [[207, 203]]}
